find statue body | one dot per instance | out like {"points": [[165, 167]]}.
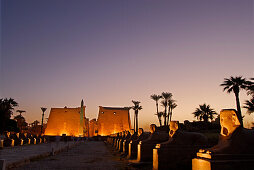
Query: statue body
{"points": [[235, 149], [177, 151], [145, 147], [132, 150]]}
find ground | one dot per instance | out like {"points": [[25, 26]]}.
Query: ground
{"points": [[89, 155]]}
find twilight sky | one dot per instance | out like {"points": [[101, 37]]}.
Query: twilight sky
{"points": [[56, 52]]}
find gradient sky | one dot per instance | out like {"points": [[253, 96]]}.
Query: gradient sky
{"points": [[56, 52]]}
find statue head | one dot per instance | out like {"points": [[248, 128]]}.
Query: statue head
{"points": [[228, 121], [120, 134], [132, 131], [25, 134], [8, 134], [173, 126], [17, 134], [127, 132], [152, 128], [140, 131]]}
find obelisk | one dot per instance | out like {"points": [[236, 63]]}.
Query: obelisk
{"points": [[81, 119]]}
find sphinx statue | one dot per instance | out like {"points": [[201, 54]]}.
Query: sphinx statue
{"points": [[145, 147], [179, 137], [133, 144], [121, 142], [129, 135], [177, 151], [235, 149], [8, 141]]}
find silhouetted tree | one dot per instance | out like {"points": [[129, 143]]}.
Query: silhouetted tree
{"points": [[21, 122], [136, 108], [204, 112], [166, 96], [235, 84], [156, 98], [20, 112], [249, 105], [6, 110], [250, 88], [171, 105], [159, 115]]}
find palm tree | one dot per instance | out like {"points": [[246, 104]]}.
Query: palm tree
{"points": [[249, 105], [6, 110], [20, 111], [159, 114], [171, 105], [166, 96], [250, 88], [136, 108], [235, 84], [35, 123], [156, 98], [204, 112], [21, 122], [164, 103]]}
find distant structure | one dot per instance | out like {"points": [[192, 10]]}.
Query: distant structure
{"points": [[69, 121], [112, 120]]}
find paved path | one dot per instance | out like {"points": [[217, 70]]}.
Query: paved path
{"points": [[89, 155]]}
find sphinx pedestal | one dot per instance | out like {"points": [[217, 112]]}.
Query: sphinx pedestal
{"points": [[206, 161]]}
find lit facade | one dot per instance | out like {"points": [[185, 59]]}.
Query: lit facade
{"points": [[112, 120]]}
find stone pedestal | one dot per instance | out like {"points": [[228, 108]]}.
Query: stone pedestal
{"points": [[2, 164], [1, 143], [223, 162], [12, 143], [145, 152], [132, 150], [174, 157]]}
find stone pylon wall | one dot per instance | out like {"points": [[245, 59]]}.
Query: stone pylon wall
{"points": [[64, 121], [112, 120]]}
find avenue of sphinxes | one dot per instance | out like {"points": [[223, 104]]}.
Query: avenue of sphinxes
{"points": [[72, 121]]}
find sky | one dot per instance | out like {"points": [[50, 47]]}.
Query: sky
{"points": [[56, 52]]}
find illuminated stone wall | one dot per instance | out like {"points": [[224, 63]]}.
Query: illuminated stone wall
{"points": [[93, 128], [112, 120], [64, 121]]}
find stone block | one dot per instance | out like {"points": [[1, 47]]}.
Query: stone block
{"points": [[223, 162], [2, 164], [174, 157], [1, 143]]}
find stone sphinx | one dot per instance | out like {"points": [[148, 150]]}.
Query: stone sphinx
{"points": [[126, 135], [8, 141], [145, 147], [115, 139], [177, 152], [118, 140], [17, 140], [133, 144], [132, 136], [235, 149]]}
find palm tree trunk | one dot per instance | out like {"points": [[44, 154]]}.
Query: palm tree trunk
{"points": [[137, 121], [171, 114], [134, 123], [157, 109], [165, 116], [239, 113], [169, 111], [160, 121]]}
